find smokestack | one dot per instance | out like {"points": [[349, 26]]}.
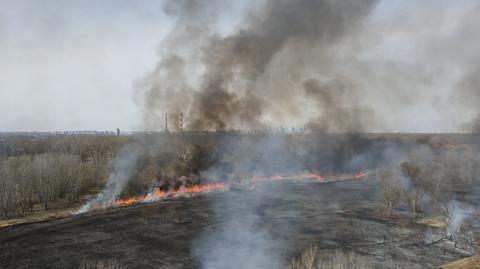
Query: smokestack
{"points": [[166, 122], [181, 122], [118, 131]]}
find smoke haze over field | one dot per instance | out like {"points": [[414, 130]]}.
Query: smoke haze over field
{"points": [[370, 65]]}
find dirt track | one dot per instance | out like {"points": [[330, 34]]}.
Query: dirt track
{"points": [[335, 216]]}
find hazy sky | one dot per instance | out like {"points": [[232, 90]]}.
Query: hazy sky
{"points": [[71, 65]]}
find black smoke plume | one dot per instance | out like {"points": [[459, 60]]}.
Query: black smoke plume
{"points": [[221, 81]]}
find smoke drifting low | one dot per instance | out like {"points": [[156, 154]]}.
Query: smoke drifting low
{"points": [[240, 241], [123, 169]]}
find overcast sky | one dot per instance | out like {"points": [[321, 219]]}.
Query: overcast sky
{"points": [[68, 65], [71, 65]]}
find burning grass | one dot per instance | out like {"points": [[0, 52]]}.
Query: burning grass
{"points": [[160, 194], [197, 189]]}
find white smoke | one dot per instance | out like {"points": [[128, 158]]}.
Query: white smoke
{"points": [[459, 213], [123, 167], [240, 241]]}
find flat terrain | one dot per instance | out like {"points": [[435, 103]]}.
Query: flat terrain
{"points": [[171, 234]]}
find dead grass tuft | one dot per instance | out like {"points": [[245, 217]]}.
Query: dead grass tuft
{"points": [[312, 259], [102, 264], [466, 263]]}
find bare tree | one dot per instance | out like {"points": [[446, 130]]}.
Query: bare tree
{"points": [[437, 174], [391, 189], [448, 217], [414, 197], [466, 170]]}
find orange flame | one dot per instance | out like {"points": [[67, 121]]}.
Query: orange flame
{"points": [[159, 194], [278, 177], [359, 174], [315, 177]]}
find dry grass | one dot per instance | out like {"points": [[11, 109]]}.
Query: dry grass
{"points": [[434, 222], [467, 263], [39, 217], [107, 264], [312, 259]]}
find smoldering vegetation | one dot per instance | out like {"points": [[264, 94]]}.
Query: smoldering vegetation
{"points": [[170, 161]]}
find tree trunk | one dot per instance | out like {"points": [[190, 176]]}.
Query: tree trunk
{"points": [[390, 207]]}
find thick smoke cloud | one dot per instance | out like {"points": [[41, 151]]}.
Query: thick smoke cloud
{"points": [[339, 112], [227, 89]]}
